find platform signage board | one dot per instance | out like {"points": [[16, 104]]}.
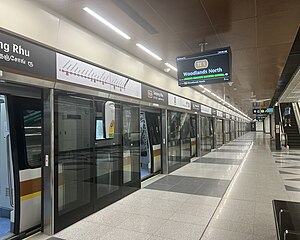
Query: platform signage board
{"points": [[21, 56], [154, 95], [205, 109], [78, 72], [179, 102], [196, 107]]}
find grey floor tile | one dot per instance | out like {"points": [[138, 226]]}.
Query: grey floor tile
{"points": [[185, 188], [238, 205], [180, 231], [84, 230], [231, 150], [153, 211], [186, 218], [220, 234], [203, 200], [205, 211], [142, 224], [234, 215], [158, 238], [108, 218], [232, 226], [118, 234], [170, 179], [211, 190], [160, 186], [218, 161], [173, 196], [267, 231]]}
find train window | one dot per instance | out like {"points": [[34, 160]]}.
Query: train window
{"points": [[193, 126], [185, 125], [33, 136], [153, 125]]}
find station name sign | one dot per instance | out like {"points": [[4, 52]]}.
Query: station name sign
{"points": [[21, 56], [154, 95]]}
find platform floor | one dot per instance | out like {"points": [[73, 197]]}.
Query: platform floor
{"points": [[225, 194]]}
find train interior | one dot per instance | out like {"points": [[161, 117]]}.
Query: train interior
{"points": [[20, 159], [6, 178], [150, 128]]}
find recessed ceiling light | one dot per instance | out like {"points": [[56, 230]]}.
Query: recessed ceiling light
{"points": [[148, 51], [108, 24], [170, 66], [207, 90]]}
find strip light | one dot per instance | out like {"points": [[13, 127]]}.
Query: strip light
{"points": [[148, 51], [105, 22], [170, 66], [224, 102]]}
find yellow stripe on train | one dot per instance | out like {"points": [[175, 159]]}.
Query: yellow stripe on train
{"points": [[32, 195]]}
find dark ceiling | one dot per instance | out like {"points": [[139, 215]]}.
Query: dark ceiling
{"points": [[259, 32]]}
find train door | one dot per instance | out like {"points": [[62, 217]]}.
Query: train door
{"points": [[6, 174], [26, 139], [193, 130], [232, 130], [227, 130], [219, 132], [206, 135], [20, 161], [97, 149], [150, 128]]}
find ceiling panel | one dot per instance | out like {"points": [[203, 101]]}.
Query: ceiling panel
{"points": [[226, 11], [274, 54], [248, 76], [148, 14], [277, 28], [244, 57], [238, 35], [193, 37], [266, 7], [180, 15]]}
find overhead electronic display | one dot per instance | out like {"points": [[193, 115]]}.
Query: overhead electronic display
{"points": [[208, 67], [259, 111]]}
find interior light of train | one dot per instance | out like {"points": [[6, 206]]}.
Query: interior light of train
{"points": [[148, 51], [105, 22], [170, 66]]}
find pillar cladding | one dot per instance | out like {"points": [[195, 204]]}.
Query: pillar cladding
{"points": [[277, 128]]}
